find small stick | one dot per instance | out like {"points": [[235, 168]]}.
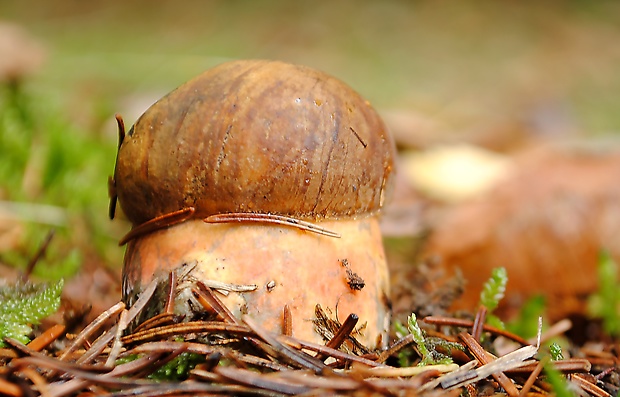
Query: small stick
{"points": [[287, 321], [185, 328], [298, 357], [570, 365], [396, 347], [42, 341], [216, 303], [604, 373], [91, 328], [38, 255], [99, 345], [456, 322], [117, 345], [589, 387], [532, 378], [481, 316], [158, 223], [203, 300], [341, 334], [172, 281], [483, 357], [270, 218], [157, 321], [337, 354], [246, 377]]}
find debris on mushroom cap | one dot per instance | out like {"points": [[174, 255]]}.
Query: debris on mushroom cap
{"points": [[20, 53], [257, 136]]}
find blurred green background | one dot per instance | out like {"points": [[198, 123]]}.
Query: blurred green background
{"points": [[483, 71]]}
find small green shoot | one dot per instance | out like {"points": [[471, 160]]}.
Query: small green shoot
{"points": [[426, 347], [555, 351], [25, 304], [492, 293], [605, 303]]}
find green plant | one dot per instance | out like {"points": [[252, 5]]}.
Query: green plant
{"points": [[53, 174], [605, 303], [25, 304], [492, 293], [526, 323], [555, 351], [427, 347], [178, 368]]}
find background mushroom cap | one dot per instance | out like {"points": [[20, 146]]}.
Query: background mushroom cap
{"points": [[257, 136]]}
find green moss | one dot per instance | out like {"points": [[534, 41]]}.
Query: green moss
{"points": [[178, 368], [25, 304], [427, 347]]}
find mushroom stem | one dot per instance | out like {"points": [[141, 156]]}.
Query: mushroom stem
{"points": [[290, 267]]}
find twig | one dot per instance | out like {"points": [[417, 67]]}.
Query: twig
{"points": [[46, 338], [396, 347], [483, 357], [38, 255], [107, 337], [91, 328], [341, 334], [570, 365], [172, 288], [215, 302], [185, 328], [158, 321], [287, 321], [456, 322], [532, 378], [336, 354], [117, 345], [285, 351], [158, 223], [479, 320], [250, 378], [588, 386], [270, 218]]}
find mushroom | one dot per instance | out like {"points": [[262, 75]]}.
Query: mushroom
{"points": [[263, 180]]}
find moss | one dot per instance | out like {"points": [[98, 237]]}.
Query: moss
{"points": [[25, 304]]}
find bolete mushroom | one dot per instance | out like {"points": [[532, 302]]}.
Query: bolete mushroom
{"points": [[264, 179]]}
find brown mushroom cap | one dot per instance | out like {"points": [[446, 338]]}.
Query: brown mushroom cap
{"points": [[257, 137]]}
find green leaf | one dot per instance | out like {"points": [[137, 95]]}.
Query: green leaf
{"points": [[494, 289], [556, 352], [25, 304]]}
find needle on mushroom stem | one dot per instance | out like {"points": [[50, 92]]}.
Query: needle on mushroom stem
{"points": [[271, 218]]}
